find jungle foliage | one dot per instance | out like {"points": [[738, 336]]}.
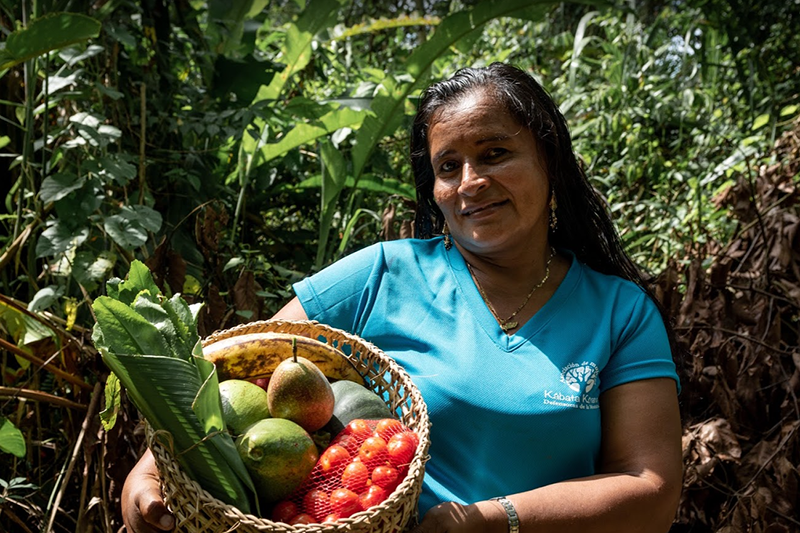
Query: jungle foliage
{"points": [[236, 146]]}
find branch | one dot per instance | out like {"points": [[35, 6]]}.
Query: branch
{"points": [[11, 392], [66, 376]]}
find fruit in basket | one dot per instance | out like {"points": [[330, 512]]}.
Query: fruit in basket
{"points": [[356, 472], [243, 404], [256, 355], [300, 392], [278, 454], [353, 401]]}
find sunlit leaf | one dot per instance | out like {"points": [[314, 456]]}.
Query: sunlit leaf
{"points": [[51, 32], [11, 439]]}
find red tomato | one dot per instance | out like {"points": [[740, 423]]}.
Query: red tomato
{"points": [[410, 436], [302, 518], [333, 517], [373, 451], [375, 494], [388, 427], [284, 511], [355, 476], [386, 477], [400, 450], [358, 428], [344, 502], [347, 441], [317, 503], [333, 457]]}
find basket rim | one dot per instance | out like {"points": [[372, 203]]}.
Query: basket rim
{"points": [[408, 488]]}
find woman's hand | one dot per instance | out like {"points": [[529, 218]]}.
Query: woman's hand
{"points": [[451, 517], [143, 508]]}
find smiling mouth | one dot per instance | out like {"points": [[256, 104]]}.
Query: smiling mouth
{"points": [[475, 210]]}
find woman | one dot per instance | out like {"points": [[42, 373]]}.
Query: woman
{"points": [[545, 365]]}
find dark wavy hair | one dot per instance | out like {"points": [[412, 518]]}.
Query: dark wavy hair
{"points": [[584, 224]]}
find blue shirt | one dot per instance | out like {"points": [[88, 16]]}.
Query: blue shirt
{"points": [[508, 413]]}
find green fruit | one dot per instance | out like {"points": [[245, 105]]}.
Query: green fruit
{"points": [[354, 401], [243, 404], [278, 454], [300, 392]]}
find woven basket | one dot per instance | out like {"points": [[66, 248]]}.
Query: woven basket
{"points": [[198, 511]]}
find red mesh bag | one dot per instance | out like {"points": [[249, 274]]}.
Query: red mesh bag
{"points": [[360, 468]]}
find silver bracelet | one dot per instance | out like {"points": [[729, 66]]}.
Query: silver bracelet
{"points": [[511, 512]]}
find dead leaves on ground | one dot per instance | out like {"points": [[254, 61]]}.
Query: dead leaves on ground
{"points": [[738, 322]]}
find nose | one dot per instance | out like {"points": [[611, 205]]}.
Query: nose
{"points": [[473, 180]]}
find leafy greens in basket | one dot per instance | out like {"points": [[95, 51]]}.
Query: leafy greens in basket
{"points": [[150, 342]]}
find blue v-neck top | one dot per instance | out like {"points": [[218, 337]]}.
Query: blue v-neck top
{"points": [[509, 413]]}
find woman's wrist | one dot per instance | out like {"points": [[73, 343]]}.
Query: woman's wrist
{"points": [[511, 513]]}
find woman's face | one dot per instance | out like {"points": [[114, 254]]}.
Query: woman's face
{"points": [[490, 179]]}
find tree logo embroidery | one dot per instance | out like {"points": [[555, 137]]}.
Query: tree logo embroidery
{"points": [[584, 381], [580, 377]]}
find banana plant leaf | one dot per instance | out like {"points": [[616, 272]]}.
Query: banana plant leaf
{"points": [[164, 390], [151, 345]]}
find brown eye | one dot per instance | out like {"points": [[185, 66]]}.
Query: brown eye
{"points": [[447, 167], [495, 153]]}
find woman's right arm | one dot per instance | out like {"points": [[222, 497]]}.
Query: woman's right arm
{"points": [[143, 508]]}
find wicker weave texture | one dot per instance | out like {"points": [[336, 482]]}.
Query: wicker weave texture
{"points": [[197, 511]]}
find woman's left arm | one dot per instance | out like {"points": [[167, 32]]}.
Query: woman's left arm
{"points": [[636, 490]]}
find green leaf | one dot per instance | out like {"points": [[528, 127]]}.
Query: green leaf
{"points": [[148, 218], [116, 169], [124, 331], [333, 182], [51, 32], [139, 279], [11, 439], [45, 297], [788, 110], [760, 121], [164, 389], [389, 109], [307, 132], [149, 307], [207, 404], [297, 48], [113, 389], [184, 320], [59, 238], [125, 232], [90, 270], [59, 185]]}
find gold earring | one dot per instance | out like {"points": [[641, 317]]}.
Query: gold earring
{"points": [[448, 243], [553, 207]]}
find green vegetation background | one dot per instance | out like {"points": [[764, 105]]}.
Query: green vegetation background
{"points": [[237, 146]]}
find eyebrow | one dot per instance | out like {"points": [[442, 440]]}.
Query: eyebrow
{"points": [[483, 140]]}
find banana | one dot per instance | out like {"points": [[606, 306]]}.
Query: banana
{"points": [[255, 355]]}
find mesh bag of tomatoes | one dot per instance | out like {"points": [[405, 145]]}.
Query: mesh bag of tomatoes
{"points": [[360, 468]]}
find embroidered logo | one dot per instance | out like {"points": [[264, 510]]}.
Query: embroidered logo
{"points": [[582, 380], [580, 377]]}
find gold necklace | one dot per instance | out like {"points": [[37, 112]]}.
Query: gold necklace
{"points": [[509, 324]]}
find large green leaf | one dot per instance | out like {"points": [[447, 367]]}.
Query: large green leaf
{"points": [[51, 32], [305, 133], [389, 108], [124, 331], [164, 389], [297, 48]]}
